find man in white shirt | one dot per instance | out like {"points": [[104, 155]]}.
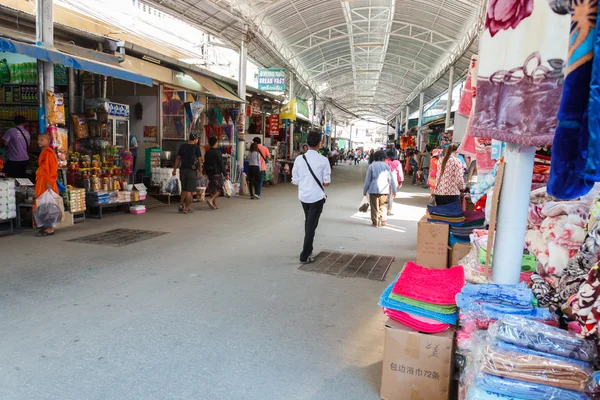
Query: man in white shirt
{"points": [[311, 191]]}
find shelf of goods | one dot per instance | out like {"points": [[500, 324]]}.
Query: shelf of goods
{"points": [[98, 201], [8, 204]]}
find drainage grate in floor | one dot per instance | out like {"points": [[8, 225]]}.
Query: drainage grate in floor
{"points": [[152, 202], [119, 237], [350, 265]]}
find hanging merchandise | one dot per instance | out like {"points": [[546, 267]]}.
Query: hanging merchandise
{"points": [[467, 145], [518, 94], [193, 110], [56, 108], [574, 170]]}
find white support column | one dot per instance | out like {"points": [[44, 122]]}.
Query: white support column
{"points": [[450, 90], [242, 95], [44, 25], [420, 122], [512, 214], [407, 117]]}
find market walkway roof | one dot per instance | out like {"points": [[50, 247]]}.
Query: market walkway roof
{"points": [[370, 57]]}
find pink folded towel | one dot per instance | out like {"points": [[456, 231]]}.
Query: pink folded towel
{"points": [[435, 286], [421, 324]]}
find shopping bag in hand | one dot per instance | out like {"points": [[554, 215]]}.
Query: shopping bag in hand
{"points": [[172, 186], [228, 187], [364, 205], [47, 212]]}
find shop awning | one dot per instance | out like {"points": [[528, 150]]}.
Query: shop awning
{"points": [[55, 56], [213, 88]]}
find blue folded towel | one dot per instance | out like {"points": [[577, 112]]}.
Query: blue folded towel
{"points": [[452, 209], [477, 393], [386, 302], [514, 295], [522, 389]]}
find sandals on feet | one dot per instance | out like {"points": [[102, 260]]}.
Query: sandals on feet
{"points": [[211, 205], [43, 233], [180, 209]]}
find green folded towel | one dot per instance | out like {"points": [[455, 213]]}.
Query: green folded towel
{"points": [[424, 305]]}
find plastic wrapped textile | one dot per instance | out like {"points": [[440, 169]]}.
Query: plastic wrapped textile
{"points": [[47, 212], [499, 345], [228, 187], [534, 335], [172, 186], [477, 393], [529, 368], [364, 205], [524, 390], [516, 295], [386, 302]]}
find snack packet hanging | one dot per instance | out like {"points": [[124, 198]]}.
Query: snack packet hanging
{"points": [[80, 125], [55, 104]]}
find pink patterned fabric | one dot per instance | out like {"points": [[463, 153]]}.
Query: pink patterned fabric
{"points": [[452, 181], [420, 324], [502, 15]]}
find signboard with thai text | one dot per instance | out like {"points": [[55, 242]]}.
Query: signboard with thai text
{"points": [[271, 80], [274, 124]]}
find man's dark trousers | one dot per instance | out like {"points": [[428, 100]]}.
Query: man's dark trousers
{"points": [[312, 212]]}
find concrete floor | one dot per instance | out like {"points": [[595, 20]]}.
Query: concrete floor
{"points": [[216, 309]]}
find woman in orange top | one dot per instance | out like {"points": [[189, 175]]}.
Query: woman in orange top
{"points": [[433, 167], [46, 175]]}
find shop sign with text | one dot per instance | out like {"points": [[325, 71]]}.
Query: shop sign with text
{"points": [[274, 124], [271, 80], [255, 106]]}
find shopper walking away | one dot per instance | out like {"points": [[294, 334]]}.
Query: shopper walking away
{"points": [[425, 163], [350, 157], [133, 148], [380, 183], [396, 167], [188, 161], [265, 156], [414, 163], [311, 174], [215, 170], [17, 140], [254, 170], [371, 155], [433, 168], [450, 178], [46, 176]]}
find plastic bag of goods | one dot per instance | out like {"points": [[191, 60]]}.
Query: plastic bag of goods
{"points": [[80, 125], [228, 187], [47, 213], [172, 186], [55, 103], [364, 205]]}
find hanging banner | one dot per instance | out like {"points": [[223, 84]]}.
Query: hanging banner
{"points": [[271, 80], [302, 107], [328, 130], [274, 124], [288, 111], [255, 106]]}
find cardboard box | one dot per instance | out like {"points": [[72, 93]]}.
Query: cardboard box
{"points": [[432, 244], [416, 366], [458, 252]]}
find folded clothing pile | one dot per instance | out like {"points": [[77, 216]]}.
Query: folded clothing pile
{"points": [[424, 298], [473, 220], [450, 214], [525, 359]]}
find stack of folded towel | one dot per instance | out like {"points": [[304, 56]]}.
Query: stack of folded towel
{"points": [[424, 298], [473, 220], [526, 359], [450, 214]]}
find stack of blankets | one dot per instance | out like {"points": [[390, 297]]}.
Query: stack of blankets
{"points": [[423, 298], [450, 214], [474, 220], [525, 359]]}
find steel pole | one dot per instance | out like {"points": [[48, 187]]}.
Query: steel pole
{"points": [[420, 122], [449, 106], [241, 150], [44, 27]]}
